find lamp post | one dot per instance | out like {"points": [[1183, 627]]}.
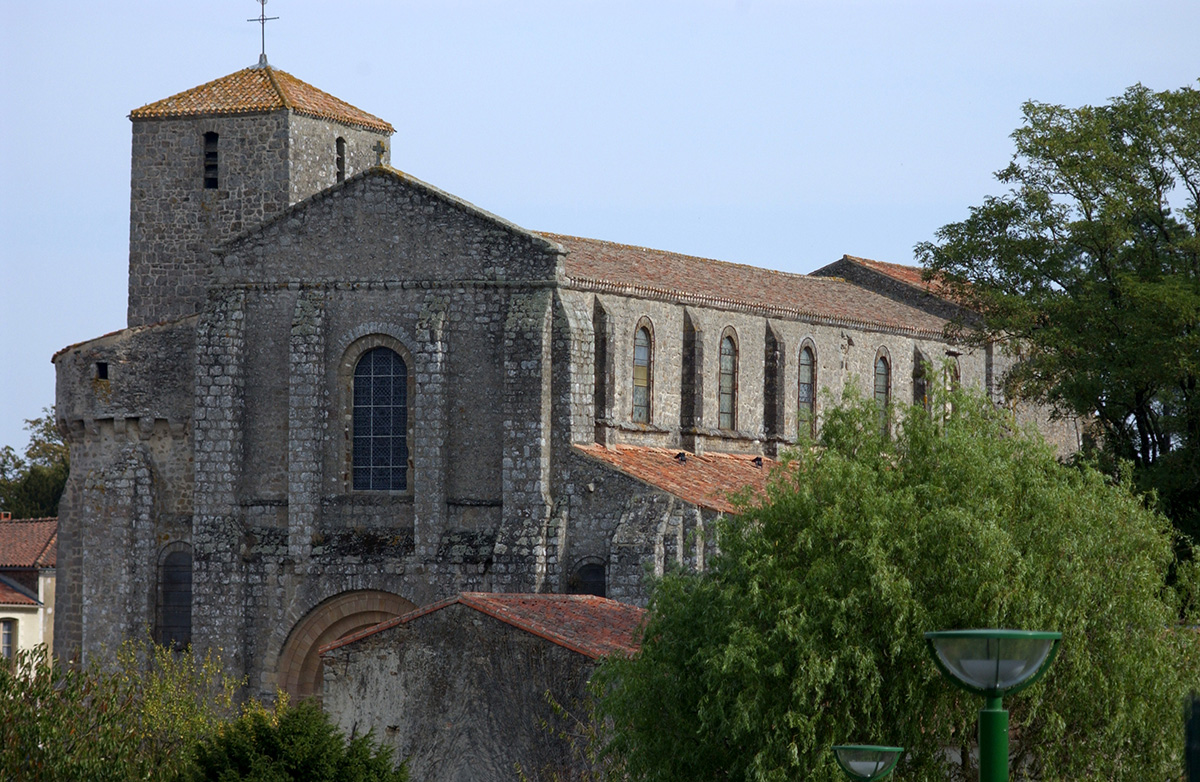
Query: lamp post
{"points": [[865, 762], [993, 663]]}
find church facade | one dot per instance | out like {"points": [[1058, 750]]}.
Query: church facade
{"points": [[344, 394]]}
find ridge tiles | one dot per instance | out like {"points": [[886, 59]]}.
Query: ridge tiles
{"points": [[260, 89]]}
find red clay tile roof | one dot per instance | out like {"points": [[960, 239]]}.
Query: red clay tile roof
{"points": [[907, 274], [704, 479], [12, 595], [622, 268], [592, 626], [28, 543], [260, 89]]}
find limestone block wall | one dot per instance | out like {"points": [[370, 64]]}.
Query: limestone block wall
{"points": [[453, 692]]}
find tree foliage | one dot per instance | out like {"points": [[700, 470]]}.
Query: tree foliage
{"points": [[291, 743], [30, 486], [137, 719], [1091, 261], [807, 630]]}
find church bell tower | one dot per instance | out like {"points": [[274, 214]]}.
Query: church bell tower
{"points": [[220, 158]]}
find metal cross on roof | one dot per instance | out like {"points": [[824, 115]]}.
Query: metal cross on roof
{"points": [[262, 19]]}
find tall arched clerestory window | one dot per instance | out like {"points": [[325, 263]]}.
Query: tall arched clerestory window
{"points": [[883, 390], [643, 375], [380, 428], [727, 384], [807, 390], [173, 623], [339, 148], [920, 380]]}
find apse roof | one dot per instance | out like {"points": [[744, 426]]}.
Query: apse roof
{"points": [[260, 89], [590, 625]]}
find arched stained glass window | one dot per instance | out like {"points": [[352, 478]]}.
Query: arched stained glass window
{"points": [[883, 381], [174, 628], [727, 385], [807, 389], [380, 448], [642, 362]]}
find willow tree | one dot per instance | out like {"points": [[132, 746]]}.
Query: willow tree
{"points": [[807, 629]]}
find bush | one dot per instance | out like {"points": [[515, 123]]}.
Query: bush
{"points": [[139, 718], [291, 743]]}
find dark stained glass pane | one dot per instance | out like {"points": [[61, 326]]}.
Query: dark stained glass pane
{"points": [[727, 385], [175, 600], [641, 376], [807, 388], [380, 449]]}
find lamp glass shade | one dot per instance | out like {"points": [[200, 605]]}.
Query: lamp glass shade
{"points": [[993, 662], [865, 762]]}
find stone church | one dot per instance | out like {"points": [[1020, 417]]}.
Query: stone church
{"points": [[343, 393]]}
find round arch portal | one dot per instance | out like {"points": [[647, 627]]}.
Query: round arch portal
{"points": [[300, 671]]}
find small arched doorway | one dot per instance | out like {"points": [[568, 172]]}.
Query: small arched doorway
{"points": [[300, 673]]}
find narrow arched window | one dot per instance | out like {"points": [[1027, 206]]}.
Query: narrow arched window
{"points": [[920, 381], [211, 167], [340, 158], [883, 380], [727, 385], [588, 579], [642, 361], [380, 448], [807, 390], [174, 626]]}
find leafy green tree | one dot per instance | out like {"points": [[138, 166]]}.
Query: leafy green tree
{"points": [[1090, 263], [292, 743], [138, 718], [807, 630], [30, 487]]}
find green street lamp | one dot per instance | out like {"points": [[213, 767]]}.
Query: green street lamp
{"points": [[993, 663], [866, 763]]}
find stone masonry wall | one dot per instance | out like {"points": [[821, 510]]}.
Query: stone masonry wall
{"points": [[129, 494], [312, 153], [457, 693], [265, 163], [174, 222]]}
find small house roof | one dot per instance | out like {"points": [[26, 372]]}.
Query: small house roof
{"points": [[28, 543], [590, 625]]}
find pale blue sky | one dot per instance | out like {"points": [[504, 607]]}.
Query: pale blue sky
{"points": [[780, 134]]}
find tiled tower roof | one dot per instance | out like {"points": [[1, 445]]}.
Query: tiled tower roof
{"points": [[260, 89]]}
